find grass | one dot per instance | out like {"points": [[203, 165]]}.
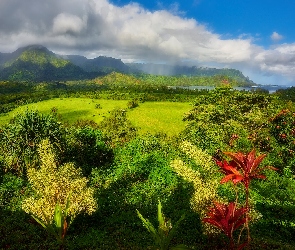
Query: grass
{"points": [[156, 117], [152, 117]]}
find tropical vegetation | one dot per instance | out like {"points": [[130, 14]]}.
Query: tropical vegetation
{"points": [[224, 177]]}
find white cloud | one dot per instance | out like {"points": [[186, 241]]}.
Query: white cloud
{"points": [[276, 37], [97, 27], [65, 23]]}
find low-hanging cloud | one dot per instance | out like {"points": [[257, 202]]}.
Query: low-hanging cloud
{"points": [[132, 33]]}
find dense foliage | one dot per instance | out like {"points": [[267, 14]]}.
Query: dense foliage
{"points": [[122, 171], [20, 139]]}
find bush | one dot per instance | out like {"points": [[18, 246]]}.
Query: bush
{"points": [[12, 190], [132, 104], [140, 176], [88, 149], [20, 139], [60, 193], [203, 177], [117, 129]]}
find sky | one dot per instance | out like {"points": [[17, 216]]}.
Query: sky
{"points": [[256, 37]]}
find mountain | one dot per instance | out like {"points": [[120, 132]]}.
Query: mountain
{"points": [[4, 57], [37, 63], [177, 70], [100, 64]]}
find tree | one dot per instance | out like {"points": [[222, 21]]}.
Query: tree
{"points": [[117, 128]]}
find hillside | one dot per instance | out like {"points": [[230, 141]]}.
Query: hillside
{"points": [[37, 63], [99, 64], [177, 70]]}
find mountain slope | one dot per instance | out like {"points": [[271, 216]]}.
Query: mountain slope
{"points": [[100, 64], [37, 63], [174, 70]]}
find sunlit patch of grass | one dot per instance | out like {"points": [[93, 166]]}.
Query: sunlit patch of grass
{"points": [[152, 117], [156, 117], [71, 109]]}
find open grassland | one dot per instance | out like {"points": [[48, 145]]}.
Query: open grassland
{"points": [[156, 117], [147, 117]]}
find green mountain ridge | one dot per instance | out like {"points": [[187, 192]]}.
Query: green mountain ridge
{"points": [[39, 57], [101, 64], [37, 63], [180, 70]]}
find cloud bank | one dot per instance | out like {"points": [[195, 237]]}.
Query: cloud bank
{"points": [[132, 33]]}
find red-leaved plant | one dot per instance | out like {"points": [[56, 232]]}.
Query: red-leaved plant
{"points": [[242, 169], [228, 218]]}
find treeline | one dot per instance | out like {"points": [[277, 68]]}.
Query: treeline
{"points": [[113, 86]]}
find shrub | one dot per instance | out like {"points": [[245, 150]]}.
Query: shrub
{"points": [[282, 128], [141, 175], [117, 128], [59, 191], [132, 104], [204, 178], [21, 137], [243, 168], [142, 169], [11, 192], [227, 218], [275, 200], [88, 149]]}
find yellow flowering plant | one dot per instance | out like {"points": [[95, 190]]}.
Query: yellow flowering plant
{"points": [[61, 193]]}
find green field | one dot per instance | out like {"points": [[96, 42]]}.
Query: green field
{"points": [[147, 117]]}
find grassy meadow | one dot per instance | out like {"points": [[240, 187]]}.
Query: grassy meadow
{"points": [[148, 117]]}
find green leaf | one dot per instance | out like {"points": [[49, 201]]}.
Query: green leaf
{"points": [[149, 226], [161, 218], [58, 216], [39, 221], [67, 206], [174, 228]]}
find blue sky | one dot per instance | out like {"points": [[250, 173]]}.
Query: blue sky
{"points": [[256, 37], [234, 18]]}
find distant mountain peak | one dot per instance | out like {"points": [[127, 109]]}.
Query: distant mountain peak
{"points": [[35, 46], [37, 63]]}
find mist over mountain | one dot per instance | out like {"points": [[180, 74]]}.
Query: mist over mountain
{"points": [[37, 63], [177, 70]]}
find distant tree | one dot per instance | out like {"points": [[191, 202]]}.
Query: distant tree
{"points": [[117, 128]]}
